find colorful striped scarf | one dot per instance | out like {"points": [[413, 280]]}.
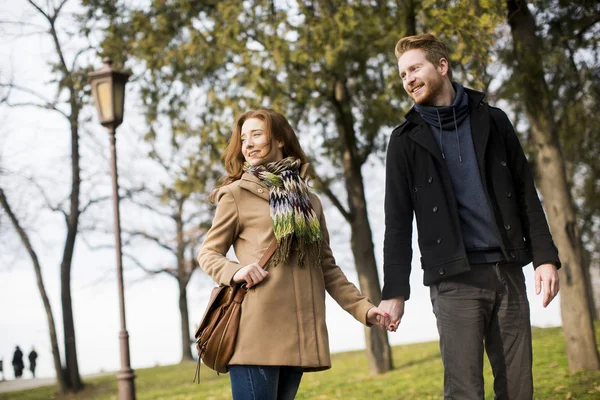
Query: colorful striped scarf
{"points": [[295, 223]]}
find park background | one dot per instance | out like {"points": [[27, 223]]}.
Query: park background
{"points": [[194, 104]]}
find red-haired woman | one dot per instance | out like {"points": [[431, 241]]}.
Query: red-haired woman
{"points": [[264, 195]]}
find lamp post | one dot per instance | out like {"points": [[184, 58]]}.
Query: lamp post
{"points": [[108, 91]]}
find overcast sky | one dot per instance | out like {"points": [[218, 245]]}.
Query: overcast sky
{"points": [[35, 142]]}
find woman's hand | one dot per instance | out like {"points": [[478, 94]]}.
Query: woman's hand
{"points": [[252, 274], [376, 316]]}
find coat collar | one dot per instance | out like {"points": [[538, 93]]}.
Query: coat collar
{"points": [[479, 117], [254, 185]]}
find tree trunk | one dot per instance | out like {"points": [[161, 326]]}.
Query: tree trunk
{"points": [[186, 352], [589, 281], [582, 352], [379, 354], [72, 371], [183, 279], [40, 283], [410, 17]]}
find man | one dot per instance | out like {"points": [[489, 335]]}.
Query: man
{"points": [[32, 361], [457, 164]]}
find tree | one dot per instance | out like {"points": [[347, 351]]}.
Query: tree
{"points": [[328, 65], [70, 81], [40, 283], [572, 66], [551, 174], [179, 203]]}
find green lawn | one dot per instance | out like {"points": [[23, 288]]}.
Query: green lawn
{"points": [[417, 375]]}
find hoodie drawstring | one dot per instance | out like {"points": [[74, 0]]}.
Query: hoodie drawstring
{"points": [[441, 141], [456, 129]]}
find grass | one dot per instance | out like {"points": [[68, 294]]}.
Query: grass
{"points": [[417, 375]]}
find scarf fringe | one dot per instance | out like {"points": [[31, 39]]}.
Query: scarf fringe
{"points": [[306, 252]]}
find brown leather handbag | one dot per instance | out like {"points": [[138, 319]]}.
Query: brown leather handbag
{"points": [[216, 334]]}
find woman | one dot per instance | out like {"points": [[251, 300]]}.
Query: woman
{"points": [[282, 329]]}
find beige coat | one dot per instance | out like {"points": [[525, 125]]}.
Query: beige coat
{"points": [[283, 318]]}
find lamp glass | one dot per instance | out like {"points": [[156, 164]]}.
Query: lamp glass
{"points": [[105, 101], [119, 98]]}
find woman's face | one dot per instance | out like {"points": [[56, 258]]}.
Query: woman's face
{"points": [[257, 147]]}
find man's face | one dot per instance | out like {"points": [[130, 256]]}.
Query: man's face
{"points": [[423, 81]]}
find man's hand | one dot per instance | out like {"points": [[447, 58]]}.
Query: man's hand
{"points": [[546, 275], [252, 274], [395, 308]]}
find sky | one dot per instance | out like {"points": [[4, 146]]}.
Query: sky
{"points": [[35, 142]]}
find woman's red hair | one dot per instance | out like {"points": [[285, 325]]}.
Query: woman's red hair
{"points": [[276, 127]]}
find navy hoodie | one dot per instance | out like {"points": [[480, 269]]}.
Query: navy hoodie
{"points": [[451, 129]]}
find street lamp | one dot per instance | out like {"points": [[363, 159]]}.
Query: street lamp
{"points": [[108, 91]]}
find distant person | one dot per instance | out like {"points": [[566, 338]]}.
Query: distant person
{"points": [[2, 367], [32, 361], [457, 164], [17, 362], [282, 332]]}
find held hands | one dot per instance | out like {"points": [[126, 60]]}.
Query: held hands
{"points": [[546, 275], [376, 316], [252, 274], [395, 309]]}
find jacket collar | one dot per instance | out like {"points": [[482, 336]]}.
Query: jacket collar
{"points": [[254, 185], [478, 114]]}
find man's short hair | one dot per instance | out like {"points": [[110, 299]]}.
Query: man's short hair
{"points": [[433, 48]]}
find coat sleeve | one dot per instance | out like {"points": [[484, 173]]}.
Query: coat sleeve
{"points": [[397, 242], [533, 219], [220, 237], [344, 292]]}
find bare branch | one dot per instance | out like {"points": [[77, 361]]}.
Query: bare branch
{"points": [[367, 150], [46, 103], [94, 201], [26, 90], [22, 234], [138, 263], [150, 208], [152, 238], [20, 23], [80, 52], [156, 156], [324, 187], [39, 9], [43, 106], [60, 6], [47, 200]]}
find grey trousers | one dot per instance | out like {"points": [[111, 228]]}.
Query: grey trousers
{"points": [[488, 307]]}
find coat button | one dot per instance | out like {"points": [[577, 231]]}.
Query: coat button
{"points": [[435, 209], [512, 255], [441, 271], [503, 163], [430, 179], [507, 227], [439, 240], [260, 190], [508, 194], [416, 189]]}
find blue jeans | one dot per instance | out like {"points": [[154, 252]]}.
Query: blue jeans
{"points": [[256, 382]]}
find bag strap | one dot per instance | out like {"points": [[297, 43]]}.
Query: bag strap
{"points": [[268, 254]]}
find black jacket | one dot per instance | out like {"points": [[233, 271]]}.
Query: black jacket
{"points": [[417, 180]]}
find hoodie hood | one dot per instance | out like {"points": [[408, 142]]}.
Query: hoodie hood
{"points": [[447, 118]]}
